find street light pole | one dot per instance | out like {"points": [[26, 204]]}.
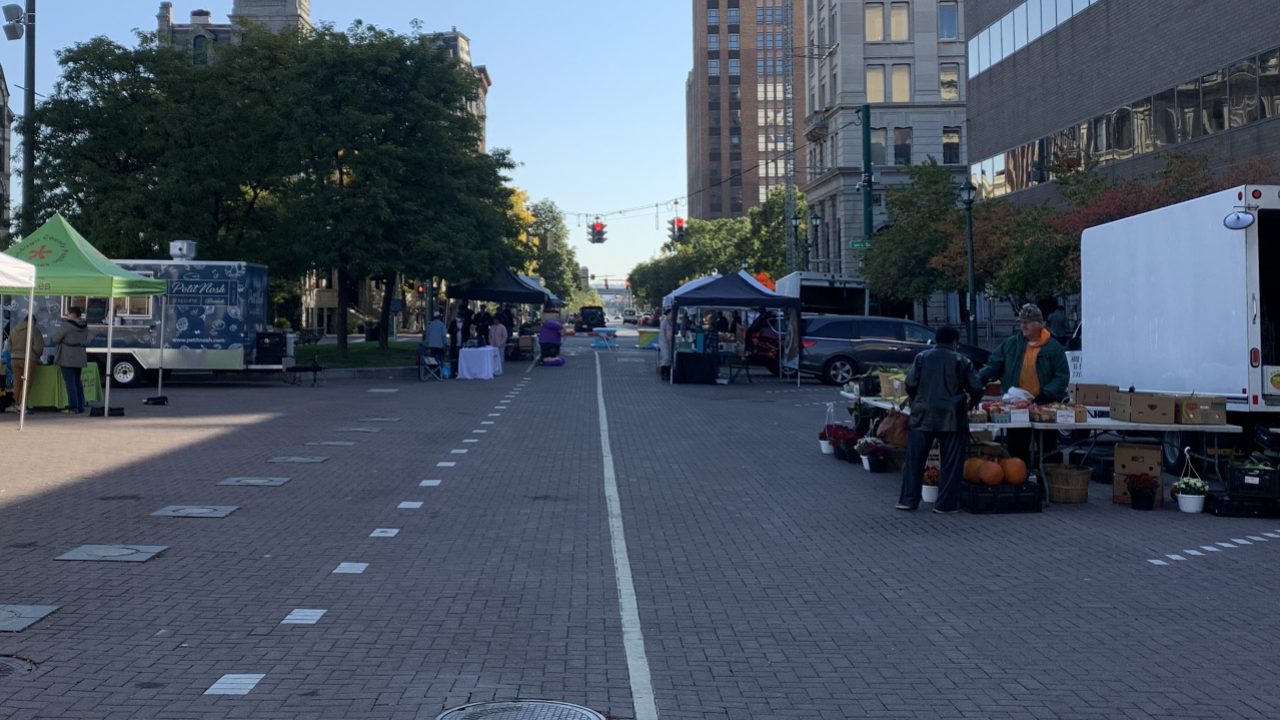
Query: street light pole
{"points": [[815, 223], [20, 22], [967, 192], [791, 242]]}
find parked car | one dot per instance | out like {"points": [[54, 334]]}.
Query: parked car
{"points": [[838, 348]]}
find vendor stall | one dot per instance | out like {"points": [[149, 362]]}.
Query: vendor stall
{"points": [[1091, 425], [17, 276], [699, 357], [67, 265]]}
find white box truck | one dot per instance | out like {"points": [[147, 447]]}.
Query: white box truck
{"points": [[827, 293], [1186, 299]]}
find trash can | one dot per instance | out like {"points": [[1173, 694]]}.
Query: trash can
{"points": [[371, 332]]}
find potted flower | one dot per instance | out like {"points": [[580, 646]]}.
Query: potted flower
{"points": [[850, 444], [1191, 493], [1142, 491], [875, 454], [825, 443], [929, 492]]}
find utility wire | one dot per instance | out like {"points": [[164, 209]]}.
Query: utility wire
{"points": [[685, 198]]}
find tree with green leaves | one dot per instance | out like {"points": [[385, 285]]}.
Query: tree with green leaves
{"points": [[557, 262], [768, 249], [898, 263]]}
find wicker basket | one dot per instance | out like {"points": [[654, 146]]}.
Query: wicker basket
{"points": [[1068, 483]]}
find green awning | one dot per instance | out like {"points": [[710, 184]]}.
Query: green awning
{"points": [[66, 264]]}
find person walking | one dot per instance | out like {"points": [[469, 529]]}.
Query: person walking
{"points": [[942, 385], [21, 360], [666, 343], [71, 338], [1034, 361]]}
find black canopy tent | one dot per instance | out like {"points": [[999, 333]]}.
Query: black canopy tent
{"points": [[506, 287], [740, 290]]}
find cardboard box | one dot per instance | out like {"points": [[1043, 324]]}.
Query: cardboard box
{"points": [[1138, 459], [1120, 491], [1143, 408], [1091, 395], [1201, 410]]}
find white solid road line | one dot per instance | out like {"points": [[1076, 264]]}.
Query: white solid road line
{"points": [[632, 636]]}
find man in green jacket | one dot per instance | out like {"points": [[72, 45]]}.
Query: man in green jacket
{"points": [[1034, 361]]}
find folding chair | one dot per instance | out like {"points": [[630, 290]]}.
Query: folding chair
{"points": [[429, 365]]}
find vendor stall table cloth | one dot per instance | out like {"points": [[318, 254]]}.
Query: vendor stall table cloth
{"points": [[481, 363], [49, 391], [695, 368]]}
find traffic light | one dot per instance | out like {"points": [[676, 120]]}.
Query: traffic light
{"points": [[597, 232], [606, 284], [671, 230], [679, 230], [422, 291]]}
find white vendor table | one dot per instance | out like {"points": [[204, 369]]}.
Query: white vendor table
{"points": [[481, 363], [1095, 426]]}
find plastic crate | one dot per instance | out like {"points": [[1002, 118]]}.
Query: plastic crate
{"points": [[1252, 483], [1228, 506], [1001, 499]]}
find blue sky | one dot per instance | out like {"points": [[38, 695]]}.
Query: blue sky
{"points": [[588, 95]]}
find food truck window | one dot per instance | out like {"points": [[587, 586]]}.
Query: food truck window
{"points": [[95, 309]]}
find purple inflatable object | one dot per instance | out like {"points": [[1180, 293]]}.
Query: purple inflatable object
{"points": [[554, 362]]}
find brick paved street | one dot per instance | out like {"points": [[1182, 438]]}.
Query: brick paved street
{"points": [[772, 582]]}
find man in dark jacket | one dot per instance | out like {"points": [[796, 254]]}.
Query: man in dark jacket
{"points": [[942, 386]]}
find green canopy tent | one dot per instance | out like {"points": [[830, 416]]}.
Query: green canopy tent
{"points": [[66, 264]]}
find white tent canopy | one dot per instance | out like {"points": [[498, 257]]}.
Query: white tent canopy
{"points": [[19, 277], [16, 275]]}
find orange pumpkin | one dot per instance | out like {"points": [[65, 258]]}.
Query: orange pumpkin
{"points": [[990, 473], [971, 469], [1015, 471]]}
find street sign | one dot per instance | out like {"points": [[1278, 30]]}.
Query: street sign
{"points": [[859, 245], [397, 305]]}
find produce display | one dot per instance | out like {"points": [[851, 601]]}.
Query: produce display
{"points": [[984, 471]]}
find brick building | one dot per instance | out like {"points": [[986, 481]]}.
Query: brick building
{"points": [[1115, 82], [734, 103]]}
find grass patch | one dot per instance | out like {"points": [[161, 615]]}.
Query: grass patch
{"points": [[359, 355]]}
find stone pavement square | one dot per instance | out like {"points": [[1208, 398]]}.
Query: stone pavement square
{"points": [[771, 582]]}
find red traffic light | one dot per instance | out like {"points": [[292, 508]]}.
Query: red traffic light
{"points": [[598, 227], [422, 289], [679, 222]]}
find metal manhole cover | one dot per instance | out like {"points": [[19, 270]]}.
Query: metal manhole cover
{"points": [[206, 511], [121, 553], [521, 710], [14, 666], [255, 481]]}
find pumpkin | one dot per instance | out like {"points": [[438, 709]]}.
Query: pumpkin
{"points": [[1015, 471], [971, 469], [990, 473]]}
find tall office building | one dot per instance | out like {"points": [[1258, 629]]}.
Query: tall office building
{"points": [[459, 46], [735, 103], [904, 58], [1057, 83]]}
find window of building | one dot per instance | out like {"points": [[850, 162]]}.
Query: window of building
{"points": [[735, 66], [1005, 27], [899, 21], [1064, 11], [713, 118], [1019, 22], [1164, 119], [1120, 133], [901, 83], [713, 68], [948, 21], [760, 41], [1269, 84], [1034, 27], [760, 67], [1048, 15], [879, 136], [822, 34], [759, 16], [713, 17], [1213, 102], [835, 88], [200, 53], [950, 146], [1079, 5], [713, 94], [735, 93], [874, 22], [949, 78], [1243, 79], [735, 118], [1189, 127], [835, 29], [875, 83], [1142, 129], [902, 146], [713, 42], [733, 16], [733, 41]]}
